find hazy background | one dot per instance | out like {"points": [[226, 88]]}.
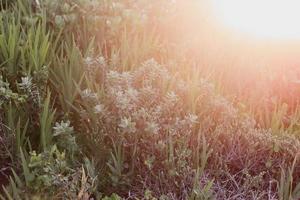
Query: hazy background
{"points": [[246, 61]]}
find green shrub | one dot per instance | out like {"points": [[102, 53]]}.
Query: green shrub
{"points": [[81, 117], [145, 113]]}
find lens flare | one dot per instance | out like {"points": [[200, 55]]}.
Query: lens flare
{"points": [[277, 19]]}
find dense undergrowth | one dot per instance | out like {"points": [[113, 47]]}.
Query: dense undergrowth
{"points": [[94, 104]]}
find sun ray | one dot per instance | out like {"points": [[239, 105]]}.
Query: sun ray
{"points": [[279, 19]]}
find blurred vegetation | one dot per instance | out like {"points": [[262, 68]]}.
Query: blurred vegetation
{"points": [[99, 100]]}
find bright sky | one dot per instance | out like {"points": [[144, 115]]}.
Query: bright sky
{"points": [[275, 19]]}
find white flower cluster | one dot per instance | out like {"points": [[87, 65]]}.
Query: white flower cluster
{"points": [[137, 102], [87, 94], [63, 128], [64, 135], [127, 125], [99, 109], [99, 61], [31, 90], [140, 104], [26, 83]]}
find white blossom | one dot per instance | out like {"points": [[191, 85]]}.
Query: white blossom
{"points": [[88, 60], [127, 125], [191, 118], [99, 108], [172, 97], [62, 128], [132, 93], [88, 94], [26, 83], [122, 101], [101, 61], [152, 127]]}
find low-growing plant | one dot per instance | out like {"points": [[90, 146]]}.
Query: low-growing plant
{"points": [[287, 188]]}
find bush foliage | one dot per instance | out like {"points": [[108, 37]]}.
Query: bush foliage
{"points": [[93, 105]]}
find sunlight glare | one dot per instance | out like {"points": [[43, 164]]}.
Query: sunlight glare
{"points": [[279, 19]]}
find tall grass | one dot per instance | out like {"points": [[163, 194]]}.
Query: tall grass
{"points": [[98, 98]]}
